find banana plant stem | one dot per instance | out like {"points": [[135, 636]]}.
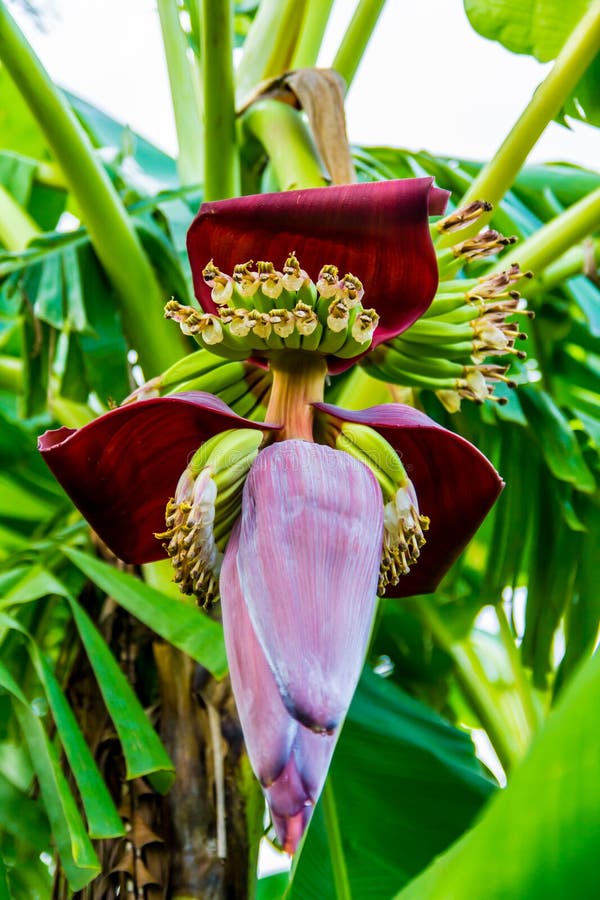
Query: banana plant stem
{"points": [[221, 161], [497, 176], [188, 125], [111, 230], [552, 240], [569, 265], [282, 132], [334, 839], [314, 24], [354, 43], [270, 44]]}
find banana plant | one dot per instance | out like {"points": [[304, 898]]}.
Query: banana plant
{"points": [[299, 483]]}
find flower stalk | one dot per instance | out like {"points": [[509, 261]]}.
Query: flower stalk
{"points": [[111, 230], [298, 382], [522, 684]]}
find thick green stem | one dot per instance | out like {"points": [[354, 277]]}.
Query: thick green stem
{"points": [[270, 44], [570, 264], [188, 124], [288, 142], [334, 839], [354, 43], [17, 228], [111, 230], [221, 161], [473, 684], [311, 37], [577, 53], [557, 236]]}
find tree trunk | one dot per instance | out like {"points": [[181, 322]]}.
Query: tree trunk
{"points": [[212, 855], [200, 840]]}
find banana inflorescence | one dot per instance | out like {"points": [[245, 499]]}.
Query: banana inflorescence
{"points": [[260, 309], [469, 320], [207, 502]]}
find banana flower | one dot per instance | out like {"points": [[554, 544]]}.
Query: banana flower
{"points": [[299, 522]]}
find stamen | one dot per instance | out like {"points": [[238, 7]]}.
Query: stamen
{"points": [[485, 244], [246, 280], [189, 319], [403, 527], [338, 314], [222, 285], [271, 281], [327, 283], [496, 285], [306, 318], [226, 314], [364, 325], [293, 276], [350, 290], [261, 326], [189, 538], [282, 321], [462, 217]]}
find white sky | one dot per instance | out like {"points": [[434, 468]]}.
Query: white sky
{"points": [[427, 80]]}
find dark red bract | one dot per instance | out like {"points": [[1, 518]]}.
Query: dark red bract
{"points": [[456, 485], [377, 231], [121, 469]]}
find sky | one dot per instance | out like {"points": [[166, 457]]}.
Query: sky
{"points": [[427, 80]]}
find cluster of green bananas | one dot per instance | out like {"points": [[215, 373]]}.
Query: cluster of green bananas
{"points": [[469, 320], [242, 386], [264, 309], [207, 502]]}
